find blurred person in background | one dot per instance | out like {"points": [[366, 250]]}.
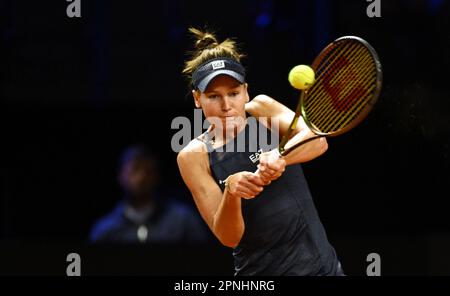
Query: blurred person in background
{"points": [[144, 215]]}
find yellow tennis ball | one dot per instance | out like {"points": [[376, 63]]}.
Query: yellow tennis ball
{"points": [[301, 77]]}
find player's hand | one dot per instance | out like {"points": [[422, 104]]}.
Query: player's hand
{"points": [[244, 184], [271, 166]]}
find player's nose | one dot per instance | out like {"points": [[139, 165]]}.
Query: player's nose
{"points": [[226, 104]]}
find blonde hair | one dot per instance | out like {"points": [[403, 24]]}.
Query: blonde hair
{"points": [[206, 48]]}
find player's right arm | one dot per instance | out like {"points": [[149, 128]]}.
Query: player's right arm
{"points": [[220, 210]]}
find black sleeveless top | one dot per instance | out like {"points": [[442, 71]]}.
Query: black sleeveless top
{"points": [[283, 233]]}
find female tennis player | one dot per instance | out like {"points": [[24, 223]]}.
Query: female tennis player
{"points": [[268, 217]]}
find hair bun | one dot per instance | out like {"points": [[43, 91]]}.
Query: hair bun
{"points": [[207, 40]]}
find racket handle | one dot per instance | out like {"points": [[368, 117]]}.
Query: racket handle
{"points": [[290, 149], [280, 151]]}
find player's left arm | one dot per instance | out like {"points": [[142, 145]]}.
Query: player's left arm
{"points": [[263, 107]]}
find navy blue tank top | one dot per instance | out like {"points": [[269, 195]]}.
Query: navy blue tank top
{"points": [[283, 233]]}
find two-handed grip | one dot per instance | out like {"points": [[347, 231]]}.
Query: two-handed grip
{"points": [[274, 155]]}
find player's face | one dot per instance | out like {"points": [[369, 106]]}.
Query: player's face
{"points": [[223, 101]]}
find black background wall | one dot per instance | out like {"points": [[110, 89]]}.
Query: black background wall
{"points": [[76, 91]]}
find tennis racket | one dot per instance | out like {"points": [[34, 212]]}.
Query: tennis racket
{"points": [[348, 83]]}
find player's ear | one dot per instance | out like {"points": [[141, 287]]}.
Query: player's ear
{"points": [[196, 94]]}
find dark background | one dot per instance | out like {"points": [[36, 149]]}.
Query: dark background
{"points": [[76, 91]]}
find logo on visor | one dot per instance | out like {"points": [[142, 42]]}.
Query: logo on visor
{"points": [[218, 65]]}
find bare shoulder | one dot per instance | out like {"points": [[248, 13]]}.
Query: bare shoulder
{"points": [[258, 104], [195, 145], [264, 106], [193, 153], [277, 115], [193, 163]]}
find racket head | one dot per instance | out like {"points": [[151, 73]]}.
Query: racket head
{"points": [[348, 83]]}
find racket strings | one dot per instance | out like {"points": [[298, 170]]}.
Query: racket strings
{"points": [[353, 87], [361, 96], [339, 92], [332, 121], [357, 91], [328, 60], [332, 66], [325, 107], [356, 111]]}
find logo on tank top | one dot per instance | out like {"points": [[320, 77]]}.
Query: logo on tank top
{"points": [[255, 156]]}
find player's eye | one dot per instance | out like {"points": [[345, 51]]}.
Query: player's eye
{"points": [[234, 93], [212, 96]]}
